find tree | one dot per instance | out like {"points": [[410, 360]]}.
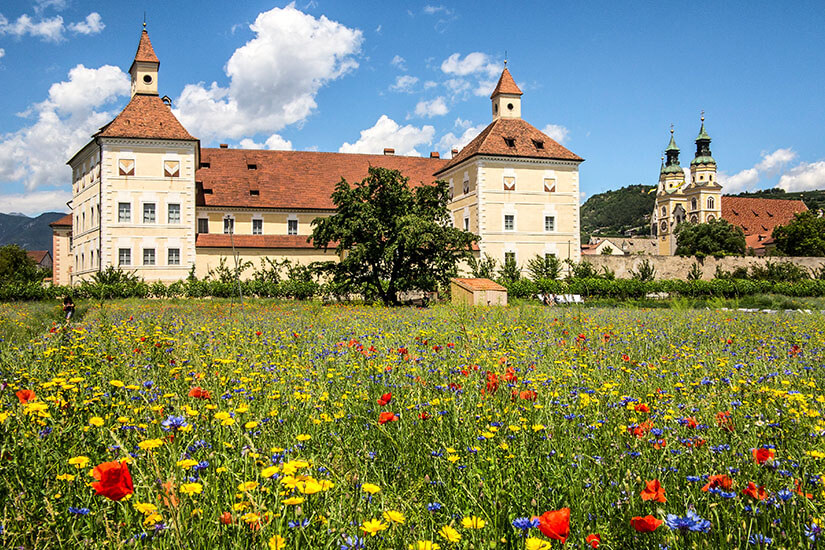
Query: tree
{"points": [[714, 238], [391, 238], [803, 236], [544, 267], [17, 267]]}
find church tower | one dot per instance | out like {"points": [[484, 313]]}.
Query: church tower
{"points": [[506, 97], [144, 69], [670, 209], [704, 194]]}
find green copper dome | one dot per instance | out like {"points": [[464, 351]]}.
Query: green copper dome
{"points": [[705, 159], [672, 169]]}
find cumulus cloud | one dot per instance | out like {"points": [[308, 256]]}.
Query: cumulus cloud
{"points": [[274, 77], [557, 132], [399, 62], [450, 141], [62, 124], [429, 109], [41, 5], [473, 63], [274, 143], [92, 25], [388, 133], [404, 83], [432, 10], [807, 176], [771, 165], [36, 202]]}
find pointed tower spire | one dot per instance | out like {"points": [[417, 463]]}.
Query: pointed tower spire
{"points": [[506, 97], [672, 154], [144, 69]]}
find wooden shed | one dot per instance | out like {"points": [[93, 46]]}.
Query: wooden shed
{"points": [[478, 292]]}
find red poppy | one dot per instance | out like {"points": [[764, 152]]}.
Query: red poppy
{"points": [[555, 524], [642, 429], [724, 421], [625, 357], [385, 417], [226, 518], [257, 333], [453, 386], [641, 408], [759, 493], [113, 480], [653, 491], [528, 395], [385, 399], [691, 422], [762, 455], [424, 416], [798, 489], [199, 393], [510, 375], [660, 444], [24, 396], [646, 524], [721, 481], [593, 540], [492, 384]]}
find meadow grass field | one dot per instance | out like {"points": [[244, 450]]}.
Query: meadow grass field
{"points": [[207, 424]]}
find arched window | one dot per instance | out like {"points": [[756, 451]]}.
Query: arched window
{"points": [[710, 203], [694, 219], [693, 203], [711, 218], [664, 211]]}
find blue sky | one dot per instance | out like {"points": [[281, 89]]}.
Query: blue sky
{"points": [[605, 78]]}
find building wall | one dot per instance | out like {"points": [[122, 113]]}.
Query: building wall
{"points": [[86, 211], [274, 222], [210, 258], [62, 261]]}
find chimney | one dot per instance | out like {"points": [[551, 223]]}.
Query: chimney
{"points": [[435, 155], [454, 152], [224, 146], [389, 151]]}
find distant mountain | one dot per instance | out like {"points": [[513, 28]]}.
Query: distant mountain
{"points": [[26, 232], [614, 213]]}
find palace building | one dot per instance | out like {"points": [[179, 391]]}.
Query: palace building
{"points": [[148, 198]]}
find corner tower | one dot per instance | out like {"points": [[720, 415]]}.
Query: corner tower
{"points": [[506, 97], [144, 69]]}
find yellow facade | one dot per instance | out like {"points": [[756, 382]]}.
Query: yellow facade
{"points": [[208, 259]]}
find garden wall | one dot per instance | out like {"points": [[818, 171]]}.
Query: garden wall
{"points": [[676, 267]]}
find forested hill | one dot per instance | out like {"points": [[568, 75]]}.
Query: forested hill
{"points": [[614, 212], [814, 200]]}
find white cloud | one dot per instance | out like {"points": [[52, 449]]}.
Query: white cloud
{"points": [[432, 10], [42, 5], [457, 86], [274, 143], [450, 141], [92, 25], [274, 77], [770, 165], [807, 176], [473, 63], [404, 83], [49, 30], [2, 53], [485, 87], [430, 84], [388, 133], [63, 122], [399, 62], [36, 202], [557, 132], [429, 109]]}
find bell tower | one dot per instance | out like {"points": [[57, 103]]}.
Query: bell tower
{"points": [[144, 69], [506, 97]]}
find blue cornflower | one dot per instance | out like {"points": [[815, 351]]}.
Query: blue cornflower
{"points": [[298, 524], [784, 495], [434, 506], [760, 539], [352, 543], [724, 494], [78, 511], [524, 524], [691, 522], [173, 423], [813, 531]]}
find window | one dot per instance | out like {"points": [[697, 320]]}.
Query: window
{"points": [[450, 191], [251, 166], [710, 177], [124, 256], [509, 222], [466, 224], [126, 167], [173, 214], [149, 212], [710, 203], [711, 218], [664, 226], [509, 257], [173, 256], [228, 225], [203, 225], [549, 185], [466, 185], [538, 144], [206, 165], [254, 192], [510, 142], [509, 183], [257, 227], [171, 168], [148, 256], [92, 258], [292, 227], [549, 223], [693, 204], [664, 211]]}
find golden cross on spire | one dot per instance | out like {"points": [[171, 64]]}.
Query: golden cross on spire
{"points": [[671, 127], [703, 115]]}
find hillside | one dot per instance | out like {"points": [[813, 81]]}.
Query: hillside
{"points": [[26, 232], [814, 200], [615, 212]]}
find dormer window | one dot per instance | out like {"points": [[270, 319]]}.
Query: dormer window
{"points": [[254, 192], [206, 165], [538, 144], [251, 166], [511, 142]]}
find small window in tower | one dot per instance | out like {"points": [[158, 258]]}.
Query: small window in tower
{"points": [[495, 108], [126, 167], [254, 192], [701, 177], [171, 168], [538, 144], [710, 177], [510, 142], [510, 106], [251, 166], [147, 78]]}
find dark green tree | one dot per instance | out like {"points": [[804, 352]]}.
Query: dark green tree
{"points": [[390, 237], [714, 238], [803, 236], [17, 267]]}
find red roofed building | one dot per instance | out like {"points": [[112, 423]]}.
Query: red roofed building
{"points": [[758, 217], [147, 198]]}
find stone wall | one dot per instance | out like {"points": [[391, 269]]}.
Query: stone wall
{"points": [[676, 267]]}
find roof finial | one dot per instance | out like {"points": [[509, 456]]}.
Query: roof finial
{"points": [[671, 128], [144, 20], [703, 115], [505, 59]]}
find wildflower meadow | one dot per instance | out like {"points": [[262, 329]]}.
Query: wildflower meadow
{"points": [[213, 424]]}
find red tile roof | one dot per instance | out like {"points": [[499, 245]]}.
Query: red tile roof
{"points": [[293, 179], [526, 139], [506, 85], [146, 116], [37, 255], [145, 52], [220, 240], [65, 221], [757, 217], [478, 284]]}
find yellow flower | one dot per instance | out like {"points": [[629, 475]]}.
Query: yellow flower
{"points": [[150, 444], [191, 488], [277, 543], [187, 463], [221, 470], [66, 477], [251, 424], [145, 508], [536, 544], [96, 421], [250, 517], [394, 517], [816, 454], [3, 417], [79, 462], [222, 415], [424, 545], [151, 519], [450, 534], [303, 437], [310, 487], [116, 383], [292, 501], [248, 486], [373, 526], [270, 471], [370, 488], [473, 522]]}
